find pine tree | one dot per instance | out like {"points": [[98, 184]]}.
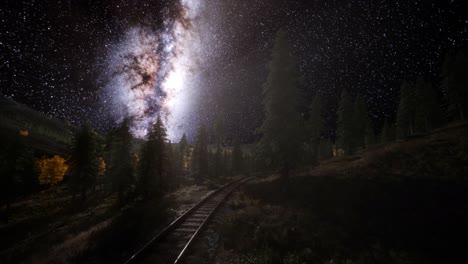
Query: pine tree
{"points": [[385, 133], [455, 84], [325, 149], [218, 161], [170, 165], [428, 112], [182, 153], [16, 171], [237, 157], [370, 134], [120, 166], [153, 160], [219, 130], [219, 140], [226, 163], [281, 128], [360, 121], [201, 153], [83, 162], [406, 111], [315, 125], [345, 124]]}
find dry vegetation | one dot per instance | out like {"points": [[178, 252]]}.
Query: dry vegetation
{"points": [[401, 202], [443, 154]]}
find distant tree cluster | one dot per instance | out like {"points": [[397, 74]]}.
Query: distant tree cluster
{"points": [[218, 159], [17, 171]]}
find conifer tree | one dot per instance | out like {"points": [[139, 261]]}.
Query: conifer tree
{"points": [[170, 165], [219, 130], [360, 122], [385, 133], [406, 111], [226, 163], [120, 166], [153, 160], [455, 84], [182, 152], [219, 140], [201, 153], [83, 162], [428, 112], [218, 161], [16, 169], [325, 150], [237, 157], [281, 128], [344, 131], [315, 124], [370, 134]]}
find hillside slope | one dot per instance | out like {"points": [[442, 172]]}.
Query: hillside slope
{"points": [[443, 154], [403, 202]]}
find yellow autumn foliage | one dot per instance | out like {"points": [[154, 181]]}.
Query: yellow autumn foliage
{"points": [[24, 133], [51, 170], [102, 167]]}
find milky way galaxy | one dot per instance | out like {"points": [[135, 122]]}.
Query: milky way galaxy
{"points": [[148, 70], [193, 60]]}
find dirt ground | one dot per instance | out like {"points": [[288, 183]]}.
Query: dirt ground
{"points": [[45, 227]]}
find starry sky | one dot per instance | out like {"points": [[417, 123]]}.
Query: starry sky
{"points": [[190, 60]]}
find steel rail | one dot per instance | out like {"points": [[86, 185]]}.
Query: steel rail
{"points": [[146, 249]]}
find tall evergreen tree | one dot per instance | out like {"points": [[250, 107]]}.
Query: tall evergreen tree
{"points": [[281, 128], [315, 125], [237, 157], [360, 121], [153, 160], [370, 134], [17, 174], [325, 149], [182, 152], [226, 163], [428, 112], [83, 162], [201, 152], [385, 133], [406, 111], [170, 171], [219, 130], [220, 135], [344, 130], [218, 161], [120, 166], [455, 84]]}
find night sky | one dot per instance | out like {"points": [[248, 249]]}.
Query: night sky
{"points": [[189, 60]]}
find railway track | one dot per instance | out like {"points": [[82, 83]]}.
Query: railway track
{"points": [[171, 245]]}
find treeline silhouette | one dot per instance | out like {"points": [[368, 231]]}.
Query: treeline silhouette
{"points": [[288, 140]]}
